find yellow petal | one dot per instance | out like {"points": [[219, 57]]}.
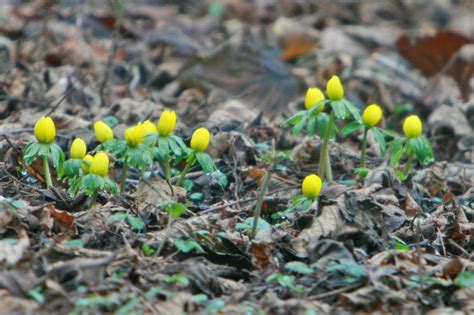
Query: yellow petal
{"points": [[200, 139], [334, 89], [100, 164], [412, 126], [313, 97], [103, 132], [87, 163], [372, 115], [78, 149], [311, 186], [167, 122], [133, 135], [45, 131]]}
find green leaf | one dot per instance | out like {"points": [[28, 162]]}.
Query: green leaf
{"points": [[117, 217], [136, 223], [350, 128], [110, 185], [74, 243], [298, 128], [422, 149], [380, 139], [299, 267], [246, 226], [362, 171], [465, 280], [221, 178], [177, 209], [322, 122], [45, 149], [57, 156], [339, 108], [312, 124], [354, 111], [354, 270], [31, 152], [206, 162], [188, 245], [72, 167], [92, 183], [397, 148], [295, 119]]}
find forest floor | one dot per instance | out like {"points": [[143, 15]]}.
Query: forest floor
{"points": [[378, 244]]}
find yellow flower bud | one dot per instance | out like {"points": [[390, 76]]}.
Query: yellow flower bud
{"points": [[103, 132], [334, 89], [311, 186], [412, 126], [100, 164], [372, 115], [45, 131], [78, 149], [166, 123], [147, 128], [133, 135], [200, 139], [313, 97], [85, 167]]}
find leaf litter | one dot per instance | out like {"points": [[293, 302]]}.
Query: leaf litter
{"points": [[239, 69]]}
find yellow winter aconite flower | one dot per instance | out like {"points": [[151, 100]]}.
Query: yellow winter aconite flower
{"points": [[147, 128], [313, 97], [100, 164], [166, 123], [78, 149], [334, 89], [45, 131], [85, 167], [412, 126], [133, 135], [200, 139], [372, 115], [102, 131], [311, 186]]}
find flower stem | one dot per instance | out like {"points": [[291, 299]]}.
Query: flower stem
{"points": [[124, 176], [258, 206], [409, 164], [184, 172], [324, 170], [167, 232], [364, 147], [168, 170], [93, 199], [47, 173]]}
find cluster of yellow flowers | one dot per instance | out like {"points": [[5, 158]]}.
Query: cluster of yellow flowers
{"points": [[45, 133], [371, 117]]}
